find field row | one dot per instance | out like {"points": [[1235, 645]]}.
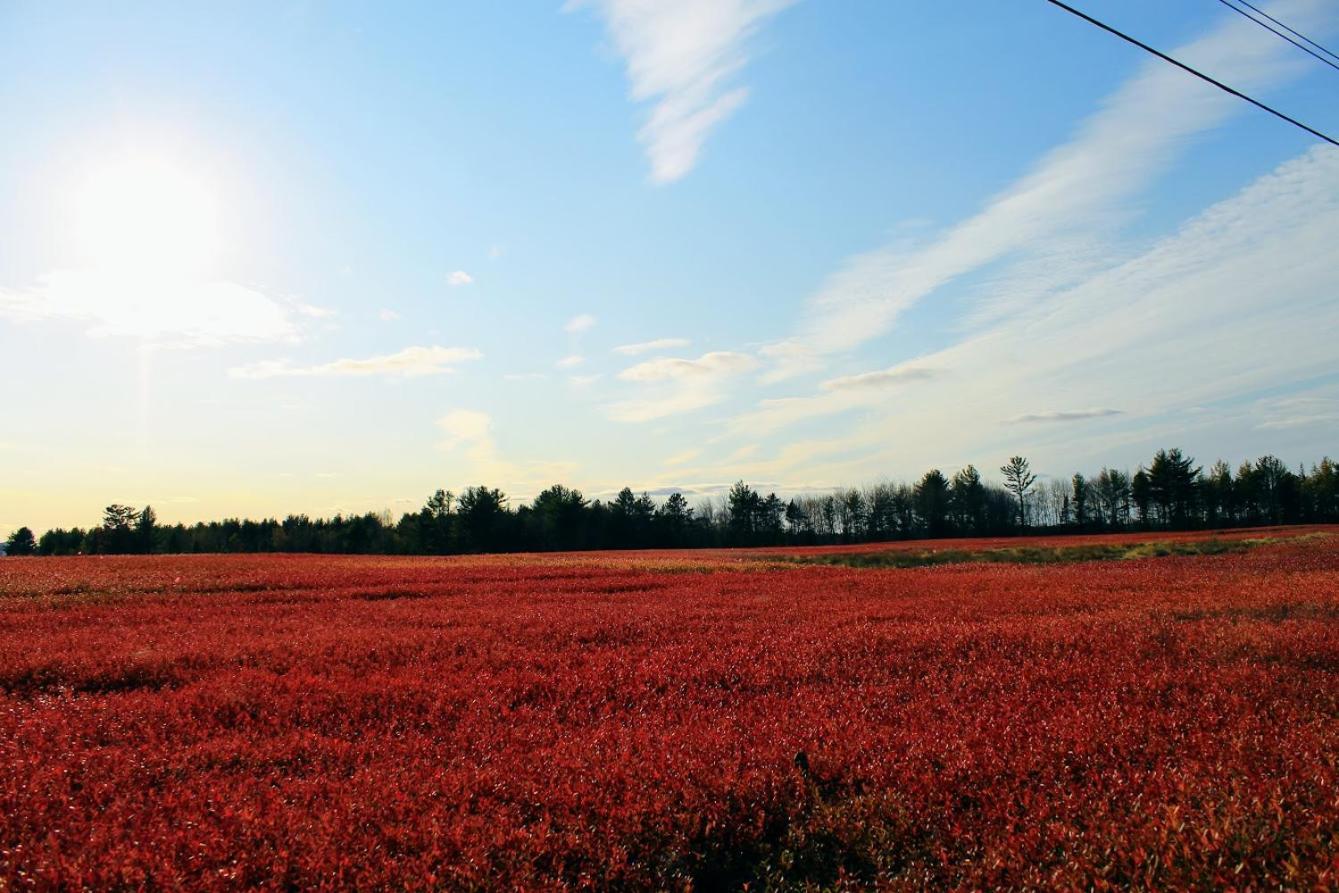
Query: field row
{"points": [[654, 720]]}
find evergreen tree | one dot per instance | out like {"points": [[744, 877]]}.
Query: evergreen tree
{"points": [[1322, 491], [1018, 479], [146, 530], [1172, 480], [1216, 494], [742, 505], [771, 515], [968, 499], [1273, 486], [932, 502], [797, 521], [117, 534], [1141, 494], [1079, 502], [559, 515], [1113, 490], [673, 519], [21, 542], [852, 514], [480, 516]]}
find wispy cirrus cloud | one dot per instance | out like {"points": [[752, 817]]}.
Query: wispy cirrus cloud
{"points": [[1318, 407], [408, 363], [677, 384], [709, 365], [652, 408], [470, 435], [1181, 323], [775, 413], [1063, 415], [881, 378], [683, 458], [788, 359], [683, 56], [836, 396], [641, 347], [582, 322], [1075, 191], [467, 427], [167, 311]]}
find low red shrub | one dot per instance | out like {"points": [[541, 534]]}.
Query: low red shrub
{"points": [[636, 720]]}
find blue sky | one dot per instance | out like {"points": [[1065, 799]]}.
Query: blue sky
{"points": [[261, 258]]}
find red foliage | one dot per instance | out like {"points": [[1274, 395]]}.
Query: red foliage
{"points": [[636, 720]]}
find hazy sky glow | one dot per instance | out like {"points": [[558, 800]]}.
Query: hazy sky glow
{"points": [[269, 258]]}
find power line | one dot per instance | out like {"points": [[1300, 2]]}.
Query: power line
{"points": [[1297, 34], [1301, 46], [1199, 74]]}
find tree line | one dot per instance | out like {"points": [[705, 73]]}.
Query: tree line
{"points": [[1170, 493]]}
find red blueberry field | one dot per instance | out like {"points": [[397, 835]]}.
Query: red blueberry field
{"points": [[1138, 710]]}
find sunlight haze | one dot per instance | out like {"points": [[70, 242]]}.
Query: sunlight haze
{"points": [[262, 258]]}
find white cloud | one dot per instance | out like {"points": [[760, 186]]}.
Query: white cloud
{"points": [[407, 363], [824, 464], [1062, 261], [804, 455], [387, 315], [709, 365], [776, 413], [466, 427], [1076, 189], [458, 278], [1063, 415], [583, 322], [1197, 319], [1317, 407], [1299, 422], [678, 385], [789, 358], [469, 433], [648, 410], [641, 347], [683, 458], [683, 56], [570, 362], [166, 311], [882, 378]]}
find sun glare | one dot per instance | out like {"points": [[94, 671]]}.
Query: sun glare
{"points": [[145, 219]]}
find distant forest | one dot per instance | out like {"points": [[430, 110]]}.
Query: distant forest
{"points": [[1170, 493]]}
